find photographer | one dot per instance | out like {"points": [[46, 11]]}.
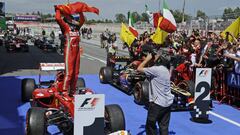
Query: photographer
{"points": [[160, 96]]}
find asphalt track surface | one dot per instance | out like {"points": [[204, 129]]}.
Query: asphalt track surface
{"points": [[16, 66]]}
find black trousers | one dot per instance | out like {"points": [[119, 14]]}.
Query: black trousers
{"points": [[158, 114]]}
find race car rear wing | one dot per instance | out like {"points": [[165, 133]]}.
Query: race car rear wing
{"points": [[48, 67], [52, 66]]}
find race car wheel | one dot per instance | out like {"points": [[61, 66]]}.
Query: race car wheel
{"points": [[140, 92], [28, 86], [36, 123], [81, 83], [105, 74], [114, 118], [188, 86]]}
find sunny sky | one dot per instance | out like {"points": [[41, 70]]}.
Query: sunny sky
{"points": [[108, 8]]}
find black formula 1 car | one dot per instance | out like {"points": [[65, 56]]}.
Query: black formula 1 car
{"points": [[47, 45], [121, 73], [51, 105], [16, 44]]}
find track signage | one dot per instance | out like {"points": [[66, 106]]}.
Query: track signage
{"points": [[89, 114], [202, 95]]}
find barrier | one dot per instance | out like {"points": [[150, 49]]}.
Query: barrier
{"points": [[226, 86]]}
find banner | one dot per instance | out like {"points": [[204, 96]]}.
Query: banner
{"points": [[233, 80]]}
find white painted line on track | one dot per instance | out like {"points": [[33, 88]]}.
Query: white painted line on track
{"points": [[90, 58], [103, 61], [224, 118]]}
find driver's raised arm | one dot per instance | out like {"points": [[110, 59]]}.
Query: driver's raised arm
{"points": [[59, 19], [82, 19]]}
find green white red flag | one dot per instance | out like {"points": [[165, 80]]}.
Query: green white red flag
{"points": [[131, 22], [168, 23]]}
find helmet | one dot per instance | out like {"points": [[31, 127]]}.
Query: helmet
{"points": [[68, 19]]}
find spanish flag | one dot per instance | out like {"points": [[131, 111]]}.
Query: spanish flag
{"points": [[159, 36], [126, 35], [234, 29]]}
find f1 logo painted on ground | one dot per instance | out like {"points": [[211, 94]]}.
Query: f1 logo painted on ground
{"points": [[89, 103]]}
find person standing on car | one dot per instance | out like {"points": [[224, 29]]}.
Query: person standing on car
{"points": [[160, 96], [70, 28]]}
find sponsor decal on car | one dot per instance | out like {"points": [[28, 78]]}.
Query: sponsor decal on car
{"points": [[40, 95]]}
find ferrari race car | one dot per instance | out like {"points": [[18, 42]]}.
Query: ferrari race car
{"points": [[16, 44], [122, 73], [50, 105]]}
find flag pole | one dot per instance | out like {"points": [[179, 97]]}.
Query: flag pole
{"points": [[183, 11], [159, 4]]}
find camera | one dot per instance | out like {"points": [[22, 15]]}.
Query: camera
{"points": [[148, 49]]}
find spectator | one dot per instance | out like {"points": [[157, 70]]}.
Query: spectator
{"points": [[52, 35], [43, 32]]}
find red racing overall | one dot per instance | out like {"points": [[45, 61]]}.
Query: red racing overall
{"points": [[71, 52]]}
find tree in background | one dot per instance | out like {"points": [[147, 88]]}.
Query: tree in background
{"points": [[237, 12], [136, 16], [178, 16], [120, 18], [201, 14], [230, 13], [144, 17]]}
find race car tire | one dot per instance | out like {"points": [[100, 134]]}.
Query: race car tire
{"points": [[28, 86], [26, 50], [105, 75], [80, 83], [36, 123], [114, 118], [140, 92], [188, 86]]}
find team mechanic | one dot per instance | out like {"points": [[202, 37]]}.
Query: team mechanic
{"points": [[70, 28]]}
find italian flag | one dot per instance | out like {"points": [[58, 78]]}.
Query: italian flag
{"points": [[131, 21], [153, 17], [168, 23]]}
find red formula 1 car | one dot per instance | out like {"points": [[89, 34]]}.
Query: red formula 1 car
{"points": [[16, 44], [53, 106]]}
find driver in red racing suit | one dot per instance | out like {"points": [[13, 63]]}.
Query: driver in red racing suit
{"points": [[70, 28]]}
